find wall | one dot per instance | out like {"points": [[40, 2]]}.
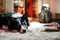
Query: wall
{"points": [[39, 5], [57, 6], [2, 6], [35, 8], [9, 5]]}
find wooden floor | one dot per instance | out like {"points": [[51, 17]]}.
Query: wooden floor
{"points": [[31, 19]]}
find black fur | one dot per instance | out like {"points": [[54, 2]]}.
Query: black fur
{"points": [[12, 23]]}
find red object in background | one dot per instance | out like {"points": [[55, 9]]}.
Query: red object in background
{"points": [[30, 9], [55, 25], [20, 11]]}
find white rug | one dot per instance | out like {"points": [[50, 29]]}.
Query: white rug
{"points": [[34, 33], [30, 36]]}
